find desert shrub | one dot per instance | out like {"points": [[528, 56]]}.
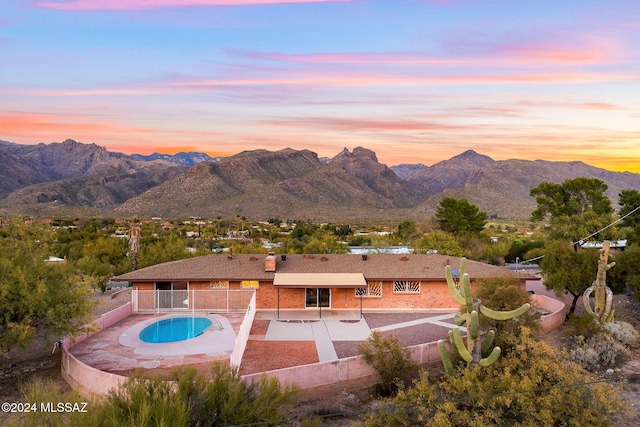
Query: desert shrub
{"points": [[586, 357], [504, 294], [623, 332], [41, 391], [583, 325], [391, 360], [606, 347], [412, 406], [531, 386], [218, 399]]}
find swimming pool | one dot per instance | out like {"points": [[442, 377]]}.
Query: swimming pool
{"points": [[175, 329]]}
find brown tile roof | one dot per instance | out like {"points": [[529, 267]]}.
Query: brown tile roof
{"points": [[251, 267]]}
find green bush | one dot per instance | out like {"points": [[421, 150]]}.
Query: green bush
{"points": [[391, 360], [505, 294], [221, 398]]}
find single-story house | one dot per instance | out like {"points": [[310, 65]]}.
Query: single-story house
{"points": [[292, 281]]}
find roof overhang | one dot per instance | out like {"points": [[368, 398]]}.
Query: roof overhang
{"points": [[319, 280]]}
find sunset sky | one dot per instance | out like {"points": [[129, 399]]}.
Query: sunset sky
{"points": [[415, 81]]}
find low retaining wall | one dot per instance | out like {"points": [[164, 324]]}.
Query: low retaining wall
{"points": [[555, 308], [342, 375], [82, 378]]}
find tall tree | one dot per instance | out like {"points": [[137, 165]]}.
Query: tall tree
{"points": [[578, 207], [458, 216], [568, 271], [575, 196], [439, 241], [629, 201]]}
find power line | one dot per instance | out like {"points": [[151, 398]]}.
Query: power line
{"points": [[581, 241]]}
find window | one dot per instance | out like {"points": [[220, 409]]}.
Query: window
{"points": [[406, 286], [253, 284], [373, 289], [219, 284]]}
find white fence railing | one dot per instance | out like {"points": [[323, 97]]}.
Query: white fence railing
{"points": [[243, 334], [218, 300]]}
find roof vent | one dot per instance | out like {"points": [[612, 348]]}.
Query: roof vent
{"points": [[324, 258], [253, 258], [365, 257], [404, 258], [308, 256], [283, 257]]}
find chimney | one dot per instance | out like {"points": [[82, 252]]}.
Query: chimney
{"points": [[270, 263]]}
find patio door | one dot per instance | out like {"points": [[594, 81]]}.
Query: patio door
{"points": [[164, 295], [317, 297], [172, 295]]}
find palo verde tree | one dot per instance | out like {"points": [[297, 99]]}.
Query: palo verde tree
{"points": [[459, 217], [578, 207], [35, 294]]}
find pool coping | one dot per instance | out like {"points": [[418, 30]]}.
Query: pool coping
{"points": [[210, 343]]}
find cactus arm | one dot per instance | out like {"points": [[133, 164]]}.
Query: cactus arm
{"points": [[459, 344], [473, 326], [488, 343], [460, 319], [452, 286], [586, 302], [446, 361], [504, 315], [465, 287], [490, 360], [607, 314]]}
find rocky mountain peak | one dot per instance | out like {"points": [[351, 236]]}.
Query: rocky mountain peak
{"points": [[470, 156], [358, 153]]}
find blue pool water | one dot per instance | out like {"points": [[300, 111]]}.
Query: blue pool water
{"points": [[175, 329]]}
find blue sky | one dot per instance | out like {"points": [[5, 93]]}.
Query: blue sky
{"points": [[415, 81]]}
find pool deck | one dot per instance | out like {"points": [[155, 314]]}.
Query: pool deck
{"points": [[118, 349]]}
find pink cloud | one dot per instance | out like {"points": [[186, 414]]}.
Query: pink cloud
{"points": [[365, 125], [603, 106], [79, 5], [504, 56], [366, 58]]}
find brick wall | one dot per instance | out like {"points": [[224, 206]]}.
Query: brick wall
{"points": [[432, 295]]}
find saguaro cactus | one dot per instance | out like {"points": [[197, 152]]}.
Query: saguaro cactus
{"points": [[474, 351], [603, 306], [134, 245]]}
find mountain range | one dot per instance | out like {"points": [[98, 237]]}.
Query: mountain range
{"points": [[71, 178]]}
